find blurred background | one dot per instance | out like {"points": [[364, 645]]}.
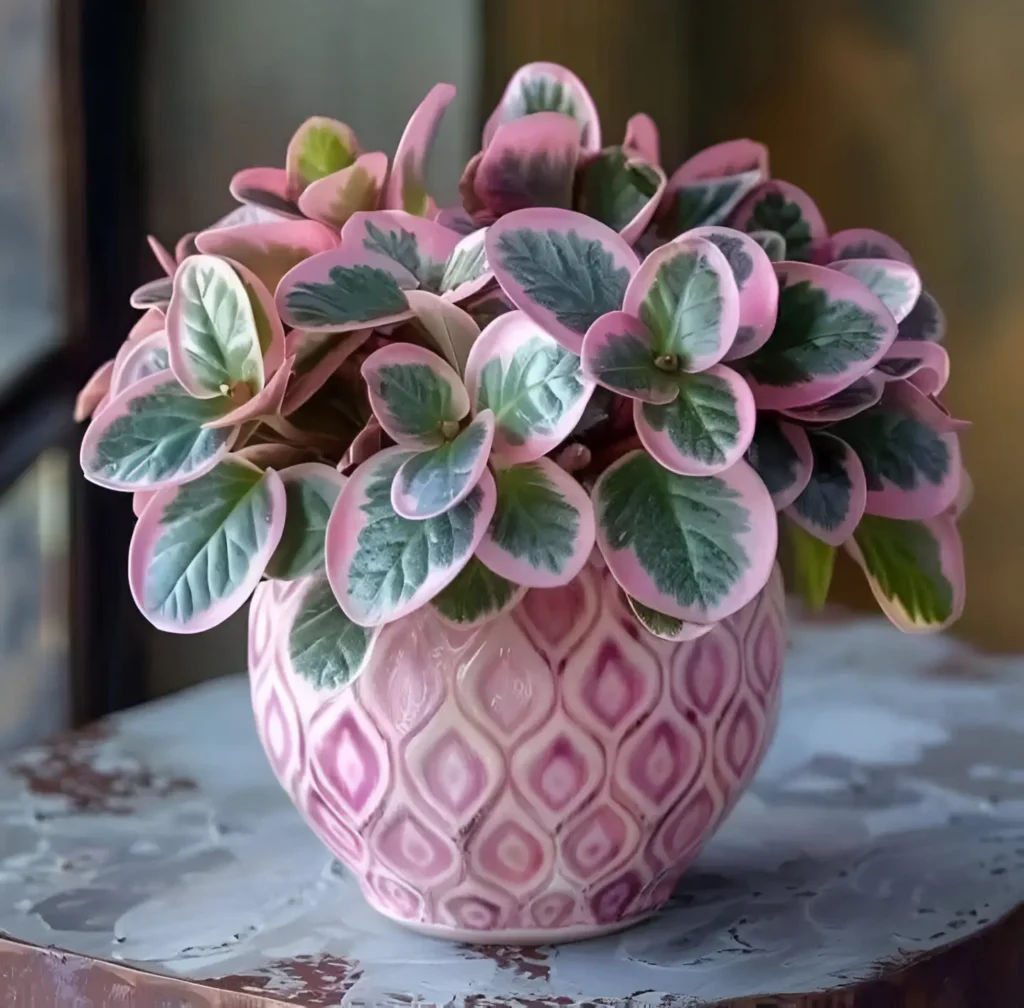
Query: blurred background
{"points": [[120, 118]]}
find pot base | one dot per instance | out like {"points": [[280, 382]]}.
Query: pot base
{"points": [[513, 936]]}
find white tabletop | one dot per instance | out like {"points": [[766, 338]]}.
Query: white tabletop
{"points": [[888, 820]]}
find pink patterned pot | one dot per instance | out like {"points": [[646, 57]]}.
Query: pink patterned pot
{"points": [[544, 778]]}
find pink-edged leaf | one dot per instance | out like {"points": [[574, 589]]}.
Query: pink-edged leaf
{"points": [[780, 452], [897, 284], [94, 391], [771, 243], [346, 288], [154, 294], [830, 330], [271, 249], [414, 394], [573, 457], [370, 440], [318, 148], [620, 190], [266, 188], [152, 321], [457, 219], [833, 502], [561, 268], [532, 384], [707, 188], [140, 499], [317, 356], [924, 365], [542, 531], [686, 295], [311, 490], [452, 330], [926, 321], [333, 199], [931, 380], [912, 465], [212, 337], [382, 566], [323, 646], [152, 436], [199, 550], [186, 246], [757, 284], [247, 213], [529, 162], [732, 157], [269, 329], [407, 184], [928, 407], [705, 429], [433, 481], [915, 570], [476, 596], [964, 497], [466, 272], [138, 360], [619, 353], [471, 203], [694, 547], [417, 245], [547, 87], [667, 627], [864, 243], [167, 262], [782, 207], [267, 402], [641, 139], [841, 405], [649, 180]]}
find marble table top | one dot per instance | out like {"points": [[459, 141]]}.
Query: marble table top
{"points": [[887, 822]]}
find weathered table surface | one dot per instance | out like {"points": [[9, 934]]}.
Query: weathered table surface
{"points": [[887, 825]]}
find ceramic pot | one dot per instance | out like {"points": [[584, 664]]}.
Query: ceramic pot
{"points": [[546, 777]]}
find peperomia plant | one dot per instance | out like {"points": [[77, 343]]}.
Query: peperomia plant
{"points": [[587, 359]]}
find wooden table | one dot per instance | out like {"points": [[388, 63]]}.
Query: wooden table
{"points": [[877, 861]]}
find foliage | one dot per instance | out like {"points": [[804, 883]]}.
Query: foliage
{"points": [[393, 403]]}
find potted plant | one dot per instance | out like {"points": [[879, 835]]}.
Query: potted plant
{"points": [[507, 479]]}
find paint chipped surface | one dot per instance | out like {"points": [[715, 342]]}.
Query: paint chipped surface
{"points": [[85, 771], [887, 821]]}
